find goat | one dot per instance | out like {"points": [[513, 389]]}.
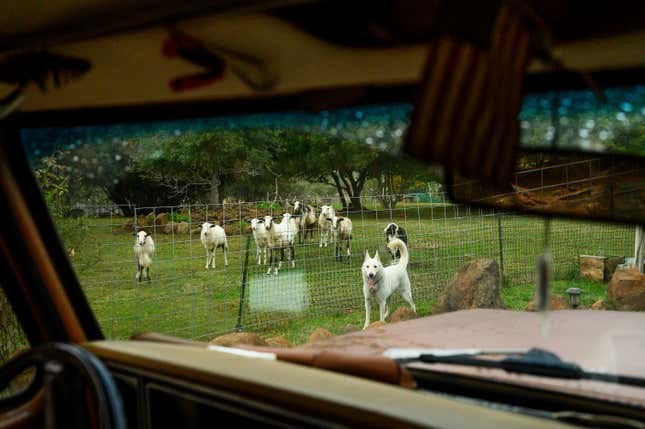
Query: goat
{"points": [[324, 223], [342, 232], [261, 237], [281, 236], [306, 219], [144, 248], [212, 237]]}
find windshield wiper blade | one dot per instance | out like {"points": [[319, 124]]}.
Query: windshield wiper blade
{"points": [[533, 362]]}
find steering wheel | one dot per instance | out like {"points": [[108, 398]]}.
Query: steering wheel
{"points": [[54, 362]]}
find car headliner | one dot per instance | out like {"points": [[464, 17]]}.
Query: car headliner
{"points": [[129, 69]]}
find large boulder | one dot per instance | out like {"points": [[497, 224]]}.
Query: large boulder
{"points": [[401, 314], [556, 302], [320, 334], [475, 285], [231, 339], [626, 291]]}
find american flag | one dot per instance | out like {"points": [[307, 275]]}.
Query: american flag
{"points": [[466, 115]]}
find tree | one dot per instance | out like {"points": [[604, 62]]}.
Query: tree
{"points": [[336, 161], [194, 162]]}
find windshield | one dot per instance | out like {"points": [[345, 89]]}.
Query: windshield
{"points": [[271, 223]]}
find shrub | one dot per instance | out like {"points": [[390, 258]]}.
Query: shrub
{"points": [[178, 217]]}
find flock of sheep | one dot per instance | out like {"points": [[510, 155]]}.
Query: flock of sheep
{"points": [[271, 238]]}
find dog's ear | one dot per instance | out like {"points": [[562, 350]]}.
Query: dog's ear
{"points": [[367, 254], [376, 256]]}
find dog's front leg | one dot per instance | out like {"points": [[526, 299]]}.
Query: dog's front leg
{"points": [[368, 308], [382, 308]]}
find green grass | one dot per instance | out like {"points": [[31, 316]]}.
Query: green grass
{"points": [[186, 300], [517, 297]]}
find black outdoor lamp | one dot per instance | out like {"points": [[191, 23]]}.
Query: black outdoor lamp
{"points": [[574, 296]]}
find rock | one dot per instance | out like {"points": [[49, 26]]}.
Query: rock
{"points": [[556, 302], [626, 291], [350, 328], [280, 341], [376, 324], [319, 334], [611, 265], [182, 228], [128, 226], [475, 285], [161, 219], [177, 228], [231, 339], [401, 314], [599, 268], [142, 221], [598, 305]]}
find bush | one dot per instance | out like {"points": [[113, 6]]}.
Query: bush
{"points": [[178, 217], [267, 205]]}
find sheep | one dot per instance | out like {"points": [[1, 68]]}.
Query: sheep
{"points": [[306, 219], [342, 232], [281, 236], [261, 240], [324, 223], [144, 248], [212, 237]]}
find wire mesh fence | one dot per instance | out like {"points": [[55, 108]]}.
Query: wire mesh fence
{"points": [[186, 299]]}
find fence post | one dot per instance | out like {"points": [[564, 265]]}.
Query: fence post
{"points": [[501, 248], [238, 326]]}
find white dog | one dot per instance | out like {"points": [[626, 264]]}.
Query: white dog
{"points": [[379, 282]]}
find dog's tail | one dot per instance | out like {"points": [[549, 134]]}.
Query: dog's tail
{"points": [[398, 244]]}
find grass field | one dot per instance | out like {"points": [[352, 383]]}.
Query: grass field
{"points": [[186, 300]]}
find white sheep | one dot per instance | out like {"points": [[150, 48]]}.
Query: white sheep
{"points": [[341, 227], [144, 248], [305, 218], [261, 240], [324, 223], [212, 237], [281, 236]]}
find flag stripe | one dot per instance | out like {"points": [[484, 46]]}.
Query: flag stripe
{"points": [[451, 80], [501, 78], [466, 116]]}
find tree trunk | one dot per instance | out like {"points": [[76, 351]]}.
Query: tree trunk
{"points": [[339, 188], [213, 195]]}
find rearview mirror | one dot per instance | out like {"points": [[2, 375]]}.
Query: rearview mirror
{"points": [[579, 157]]}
